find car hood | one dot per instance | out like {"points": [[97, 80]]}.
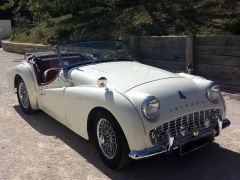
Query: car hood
{"points": [[177, 97], [121, 76]]}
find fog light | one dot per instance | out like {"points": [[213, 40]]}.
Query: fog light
{"points": [[157, 134], [183, 130], [207, 123], [215, 115], [195, 131]]}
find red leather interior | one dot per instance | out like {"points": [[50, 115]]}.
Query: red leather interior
{"points": [[41, 66], [48, 67], [50, 74]]}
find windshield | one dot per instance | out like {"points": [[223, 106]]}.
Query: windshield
{"points": [[80, 53]]}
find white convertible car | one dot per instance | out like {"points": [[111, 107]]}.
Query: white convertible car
{"points": [[129, 110]]}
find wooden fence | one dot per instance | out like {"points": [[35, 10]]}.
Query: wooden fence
{"points": [[218, 58], [214, 57], [163, 52]]}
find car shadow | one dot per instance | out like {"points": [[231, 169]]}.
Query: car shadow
{"points": [[210, 162]]}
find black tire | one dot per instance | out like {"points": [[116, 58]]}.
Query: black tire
{"points": [[25, 108], [121, 158]]}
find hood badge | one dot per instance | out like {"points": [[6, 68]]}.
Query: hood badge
{"points": [[181, 95]]}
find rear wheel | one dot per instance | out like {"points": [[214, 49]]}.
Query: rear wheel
{"points": [[110, 141], [23, 97]]}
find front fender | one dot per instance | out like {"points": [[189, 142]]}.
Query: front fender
{"points": [[80, 101], [25, 73]]}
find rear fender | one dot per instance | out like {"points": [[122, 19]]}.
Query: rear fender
{"points": [[23, 70]]}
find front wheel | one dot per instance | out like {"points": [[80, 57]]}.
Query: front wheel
{"points": [[23, 97], [110, 141]]}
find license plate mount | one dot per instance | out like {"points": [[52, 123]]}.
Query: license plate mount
{"points": [[195, 144]]}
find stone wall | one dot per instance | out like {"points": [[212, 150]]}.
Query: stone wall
{"points": [[23, 48]]}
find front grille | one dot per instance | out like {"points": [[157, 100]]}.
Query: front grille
{"points": [[195, 119]]}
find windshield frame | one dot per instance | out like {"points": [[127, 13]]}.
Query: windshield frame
{"points": [[66, 69]]}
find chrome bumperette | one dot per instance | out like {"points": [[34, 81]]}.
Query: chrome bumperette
{"points": [[220, 122], [170, 140]]}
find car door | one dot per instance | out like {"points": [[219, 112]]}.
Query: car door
{"points": [[52, 98]]}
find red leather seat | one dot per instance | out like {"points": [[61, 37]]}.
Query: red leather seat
{"points": [[50, 74]]}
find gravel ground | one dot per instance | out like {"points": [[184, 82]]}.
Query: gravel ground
{"points": [[38, 147]]}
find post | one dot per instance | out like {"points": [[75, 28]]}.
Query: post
{"points": [[190, 54]]}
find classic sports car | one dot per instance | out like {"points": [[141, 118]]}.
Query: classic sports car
{"points": [[127, 109]]}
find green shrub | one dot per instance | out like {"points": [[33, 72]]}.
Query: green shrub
{"points": [[234, 27]]}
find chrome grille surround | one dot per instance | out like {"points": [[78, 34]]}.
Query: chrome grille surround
{"points": [[191, 120]]}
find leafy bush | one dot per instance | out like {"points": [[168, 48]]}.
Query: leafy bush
{"points": [[234, 27], [61, 20]]}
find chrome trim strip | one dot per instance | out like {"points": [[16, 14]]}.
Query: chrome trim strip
{"points": [[147, 152]]}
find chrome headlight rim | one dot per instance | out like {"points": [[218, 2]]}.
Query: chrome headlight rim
{"points": [[213, 87], [146, 102]]}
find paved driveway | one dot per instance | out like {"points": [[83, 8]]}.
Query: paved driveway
{"points": [[38, 147]]}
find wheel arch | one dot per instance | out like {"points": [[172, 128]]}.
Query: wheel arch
{"points": [[129, 133], [23, 72], [16, 79], [91, 119], [92, 99]]}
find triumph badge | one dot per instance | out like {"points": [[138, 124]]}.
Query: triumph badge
{"points": [[181, 95], [195, 131]]}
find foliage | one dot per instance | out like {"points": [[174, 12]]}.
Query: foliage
{"points": [[61, 20], [234, 27], [7, 5], [188, 16]]}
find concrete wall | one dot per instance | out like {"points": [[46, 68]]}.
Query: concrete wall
{"points": [[5, 29]]}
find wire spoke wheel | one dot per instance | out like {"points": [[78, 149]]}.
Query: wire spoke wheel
{"points": [[106, 138], [23, 95]]}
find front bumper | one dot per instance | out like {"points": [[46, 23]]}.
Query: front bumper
{"points": [[175, 143]]}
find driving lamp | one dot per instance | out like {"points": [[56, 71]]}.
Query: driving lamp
{"points": [[183, 130]]}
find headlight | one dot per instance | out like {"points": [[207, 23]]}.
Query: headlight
{"points": [[150, 107], [212, 92]]}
